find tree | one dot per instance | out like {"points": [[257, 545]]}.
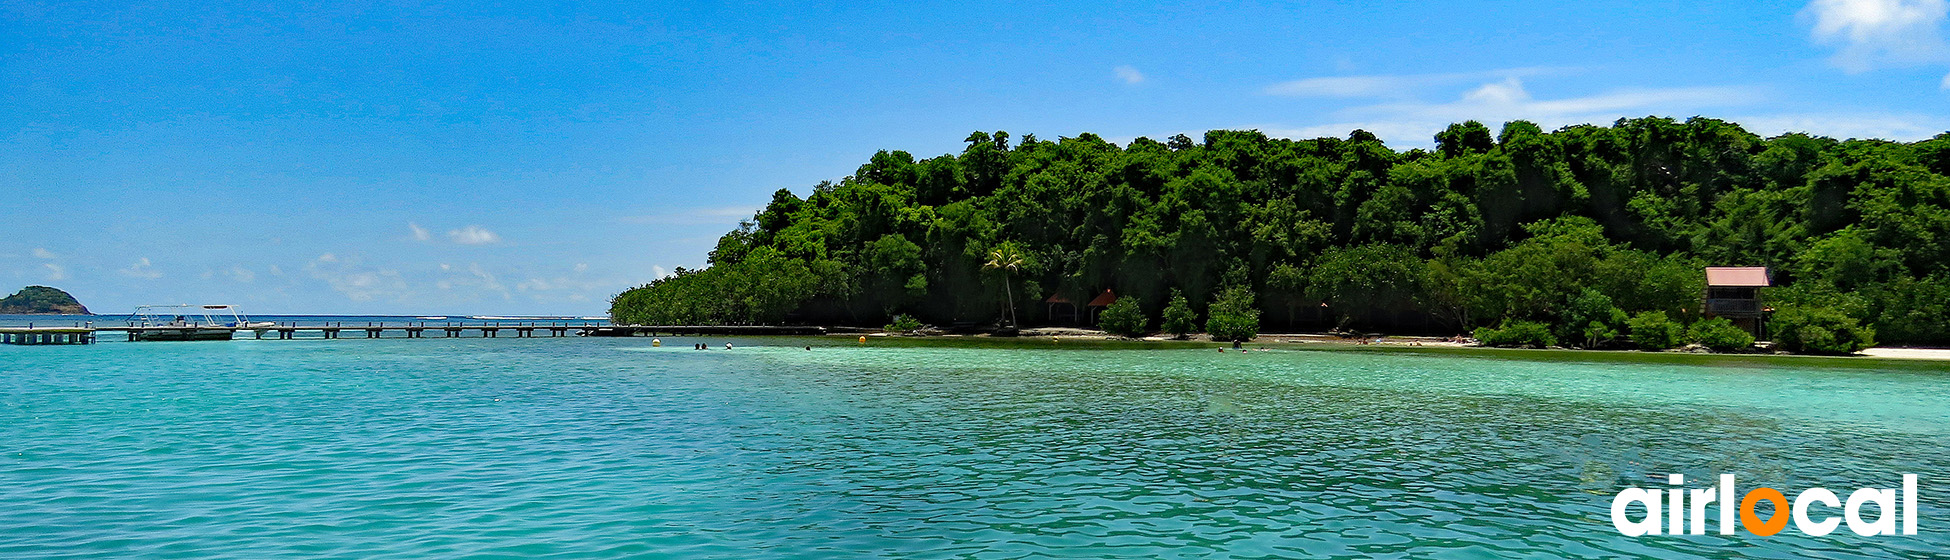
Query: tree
{"points": [[1233, 317], [1485, 230], [1124, 318], [1516, 334], [1006, 259], [1180, 320], [1385, 278], [1591, 319], [1819, 330], [1720, 335], [1651, 330]]}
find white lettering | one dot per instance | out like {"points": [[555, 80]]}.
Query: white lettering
{"points": [[1885, 523], [1650, 526], [1806, 525]]}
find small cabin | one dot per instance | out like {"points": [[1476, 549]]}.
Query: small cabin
{"points": [[1059, 304], [1102, 302], [1733, 292]]}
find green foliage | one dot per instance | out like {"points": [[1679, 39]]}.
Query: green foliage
{"points": [[1819, 330], [904, 323], [1517, 334], [1180, 320], [1720, 335], [1367, 278], [1652, 330], [41, 300], [1123, 318], [1493, 225], [1591, 319], [1232, 317]]}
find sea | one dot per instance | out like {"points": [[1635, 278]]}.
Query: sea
{"points": [[831, 447], [313, 320]]}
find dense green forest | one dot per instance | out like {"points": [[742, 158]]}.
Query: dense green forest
{"points": [[1574, 237]]}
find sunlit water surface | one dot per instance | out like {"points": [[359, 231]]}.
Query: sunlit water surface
{"points": [[610, 448]]}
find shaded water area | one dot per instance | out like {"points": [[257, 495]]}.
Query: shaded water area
{"points": [[610, 448]]}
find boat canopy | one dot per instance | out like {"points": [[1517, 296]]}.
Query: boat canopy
{"points": [[186, 315]]}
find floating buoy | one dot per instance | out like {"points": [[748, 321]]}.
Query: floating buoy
{"points": [[656, 342], [863, 340]]}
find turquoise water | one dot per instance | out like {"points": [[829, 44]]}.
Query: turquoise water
{"points": [[608, 448]]}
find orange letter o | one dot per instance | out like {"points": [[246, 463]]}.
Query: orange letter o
{"points": [[1752, 522]]}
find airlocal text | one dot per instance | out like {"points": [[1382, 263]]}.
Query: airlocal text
{"points": [[1685, 510]]}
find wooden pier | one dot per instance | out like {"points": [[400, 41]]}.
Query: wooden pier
{"points": [[413, 329], [36, 336]]}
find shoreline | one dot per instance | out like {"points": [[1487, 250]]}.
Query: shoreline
{"points": [[1872, 358]]}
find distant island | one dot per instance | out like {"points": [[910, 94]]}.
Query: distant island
{"points": [[41, 300], [1586, 236]]}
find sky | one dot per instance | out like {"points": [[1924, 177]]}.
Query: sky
{"points": [[429, 158]]}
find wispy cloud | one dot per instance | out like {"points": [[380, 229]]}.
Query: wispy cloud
{"points": [[473, 235], [419, 233], [488, 281], [1414, 122], [694, 216], [55, 272], [241, 274], [1128, 75], [1394, 86], [41, 253], [347, 276], [141, 269], [1903, 127], [1874, 34]]}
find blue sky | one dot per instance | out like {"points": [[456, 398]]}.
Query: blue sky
{"points": [[536, 158]]}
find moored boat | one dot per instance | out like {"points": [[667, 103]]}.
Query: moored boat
{"points": [[189, 322]]}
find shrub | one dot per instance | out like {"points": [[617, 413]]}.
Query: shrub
{"points": [[1179, 318], [1233, 317], [1123, 318], [1515, 334], [1820, 330], [1719, 334], [904, 323], [1651, 330], [1590, 319]]}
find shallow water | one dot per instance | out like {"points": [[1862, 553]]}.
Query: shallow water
{"points": [[609, 448]]}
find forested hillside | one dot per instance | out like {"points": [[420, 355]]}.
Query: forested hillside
{"points": [[1576, 229]]}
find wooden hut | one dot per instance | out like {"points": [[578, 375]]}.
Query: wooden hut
{"points": [[1102, 301], [1733, 292], [1057, 302]]}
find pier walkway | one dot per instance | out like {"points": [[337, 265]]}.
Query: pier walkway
{"points": [[419, 329]]}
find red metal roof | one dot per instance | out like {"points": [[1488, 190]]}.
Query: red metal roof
{"points": [[1103, 299], [1057, 298], [1737, 276]]}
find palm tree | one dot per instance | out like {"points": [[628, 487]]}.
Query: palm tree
{"points": [[1007, 259]]}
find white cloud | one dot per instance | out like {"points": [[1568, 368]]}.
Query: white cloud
{"points": [[722, 215], [241, 274], [419, 233], [358, 283], [582, 267], [658, 272], [55, 272], [1415, 122], [473, 235], [141, 269], [488, 282], [1881, 33], [1396, 86], [40, 253], [1129, 75], [1901, 127]]}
